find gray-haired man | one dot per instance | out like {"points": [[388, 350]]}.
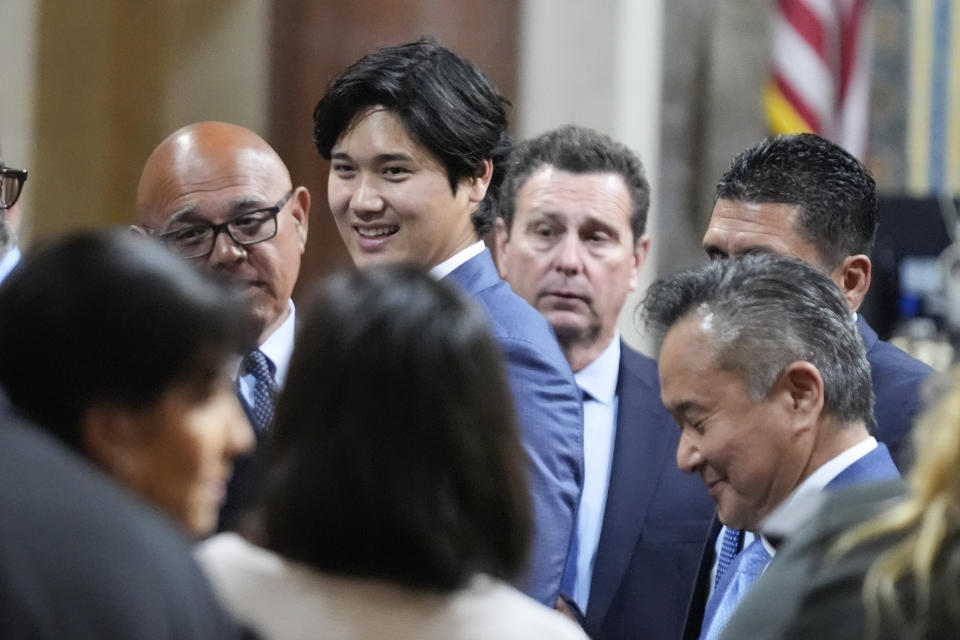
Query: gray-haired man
{"points": [[764, 371]]}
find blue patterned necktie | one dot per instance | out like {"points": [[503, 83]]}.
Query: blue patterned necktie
{"points": [[744, 571], [264, 389], [729, 548]]}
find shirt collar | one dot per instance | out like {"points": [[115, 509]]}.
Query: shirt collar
{"points": [[819, 479], [599, 378], [279, 345], [8, 261], [446, 267]]}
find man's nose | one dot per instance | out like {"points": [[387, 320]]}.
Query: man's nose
{"points": [[226, 251], [366, 196], [569, 258], [689, 458]]}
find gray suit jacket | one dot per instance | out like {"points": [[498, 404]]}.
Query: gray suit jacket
{"points": [[801, 594], [80, 557]]}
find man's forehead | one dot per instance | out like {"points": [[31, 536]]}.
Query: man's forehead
{"points": [[208, 189], [738, 227], [549, 189]]}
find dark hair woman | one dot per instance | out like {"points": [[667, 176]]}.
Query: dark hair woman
{"points": [[397, 501]]}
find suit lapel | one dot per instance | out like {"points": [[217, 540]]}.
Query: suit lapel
{"points": [[639, 455], [867, 333]]}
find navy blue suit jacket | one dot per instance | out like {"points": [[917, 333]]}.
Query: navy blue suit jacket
{"points": [[549, 409], [655, 519], [876, 466], [896, 389]]}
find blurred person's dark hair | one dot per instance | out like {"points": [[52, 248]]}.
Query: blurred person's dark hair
{"points": [[396, 454], [109, 316]]}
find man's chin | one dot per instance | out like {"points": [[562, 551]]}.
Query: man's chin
{"points": [[567, 327]]}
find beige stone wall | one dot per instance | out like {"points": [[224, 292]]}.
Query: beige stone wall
{"points": [[18, 20], [112, 78]]}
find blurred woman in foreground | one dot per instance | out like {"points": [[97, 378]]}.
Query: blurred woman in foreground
{"points": [[123, 351], [396, 500]]}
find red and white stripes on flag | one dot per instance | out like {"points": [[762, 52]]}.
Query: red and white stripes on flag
{"points": [[820, 75]]}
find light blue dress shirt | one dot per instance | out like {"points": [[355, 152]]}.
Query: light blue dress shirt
{"points": [[599, 382], [9, 261]]}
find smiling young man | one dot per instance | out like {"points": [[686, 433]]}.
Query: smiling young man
{"points": [[765, 373], [415, 136]]}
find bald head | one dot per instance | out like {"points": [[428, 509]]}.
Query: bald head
{"points": [[208, 154], [209, 173]]}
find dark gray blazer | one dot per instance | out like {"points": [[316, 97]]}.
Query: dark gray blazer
{"points": [[80, 557], [801, 595]]}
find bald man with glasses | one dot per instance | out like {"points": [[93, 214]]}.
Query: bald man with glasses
{"points": [[11, 185], [217, 194]]}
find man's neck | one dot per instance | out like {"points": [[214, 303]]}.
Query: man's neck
{"points": [[834, 439], [580, 353], [273, 326]]}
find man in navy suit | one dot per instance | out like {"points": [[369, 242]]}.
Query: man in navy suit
{"points": [[571, 241], [415, 136], [804, 196], [764, 370]]}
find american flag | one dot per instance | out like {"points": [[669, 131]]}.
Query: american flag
{"points": [[820, 71]]}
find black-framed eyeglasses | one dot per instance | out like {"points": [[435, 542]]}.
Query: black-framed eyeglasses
{"points": [[198, 240], [11, 184]]}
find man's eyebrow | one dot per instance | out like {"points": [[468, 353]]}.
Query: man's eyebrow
{"points": [[380, 158], [189, 213], [684, 407]]}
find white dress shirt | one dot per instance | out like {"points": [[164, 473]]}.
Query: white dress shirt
{"points": [[446, 267], [9, 261], [277, 348]]}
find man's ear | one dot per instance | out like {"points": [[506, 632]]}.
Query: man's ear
{"points": [[477, 186], [853, 278], [801, 389], [641, 249], [502, 241], [301, 214]]}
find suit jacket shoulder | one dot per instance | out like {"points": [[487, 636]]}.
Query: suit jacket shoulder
{"points": [[873, 468], [799, 592], [655, 520], [896, 388], [81, 558], [550, 413]]}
